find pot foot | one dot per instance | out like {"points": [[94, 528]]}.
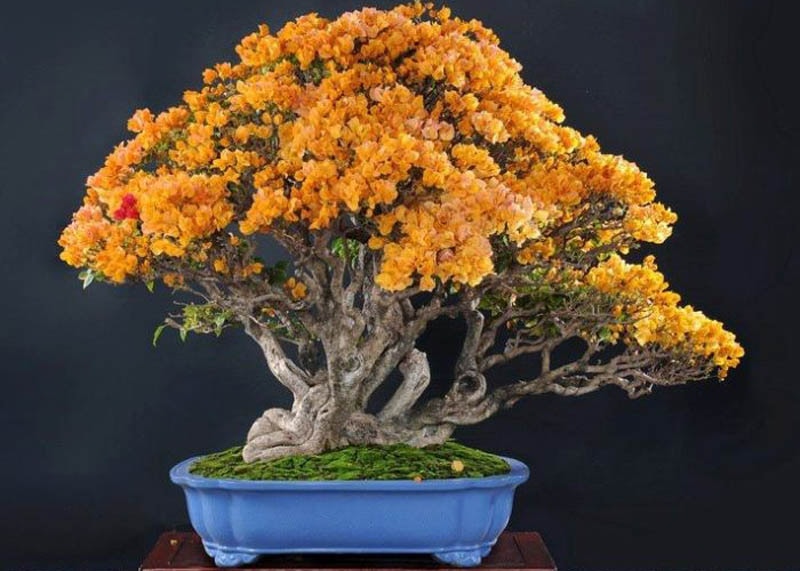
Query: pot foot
{"points": [[229, 557], [465, 558]]}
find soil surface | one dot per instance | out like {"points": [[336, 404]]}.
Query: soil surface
{"points": [[394, 462]]}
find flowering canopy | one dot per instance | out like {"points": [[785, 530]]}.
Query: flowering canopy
{"points": [[410, 136]]}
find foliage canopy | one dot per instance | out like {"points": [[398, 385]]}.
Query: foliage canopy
{"points": [[410, 172]]}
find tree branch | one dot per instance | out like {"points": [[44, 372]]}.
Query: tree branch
{"points": [[416, 377], [285, 370], [635, 371], [468, 359]]}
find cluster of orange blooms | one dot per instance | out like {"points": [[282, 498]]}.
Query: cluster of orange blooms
{"points": [[657, 319], [412, 123]]}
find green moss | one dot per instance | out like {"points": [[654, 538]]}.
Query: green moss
{"points": [[395, 462]]}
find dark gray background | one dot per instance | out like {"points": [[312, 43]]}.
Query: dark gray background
{"points": [[698, 93]]}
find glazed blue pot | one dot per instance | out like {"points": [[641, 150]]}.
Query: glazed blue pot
{"points": [[456, 520]]}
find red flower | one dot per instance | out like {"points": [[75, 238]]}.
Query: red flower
{"points": [[128, 208]]}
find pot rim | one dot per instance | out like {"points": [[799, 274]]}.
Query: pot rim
{"points": [[179, 474]]}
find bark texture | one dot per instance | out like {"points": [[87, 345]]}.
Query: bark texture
{"points": [[336, 346]]}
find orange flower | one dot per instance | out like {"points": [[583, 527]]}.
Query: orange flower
{"points": [[410, 121], [296, 289], [221, 266]]}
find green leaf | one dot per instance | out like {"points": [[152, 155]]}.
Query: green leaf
{"points": [[88, 277], [344, 248], [157, 333], [278, 273], [182, 333], [219, 323], [281, 269], [337, 247], [150, 285]]}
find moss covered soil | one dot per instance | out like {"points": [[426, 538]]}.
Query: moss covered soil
{"points": [[394, 462]]}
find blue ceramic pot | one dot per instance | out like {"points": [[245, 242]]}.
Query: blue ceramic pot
{"points": [[457, 520]]}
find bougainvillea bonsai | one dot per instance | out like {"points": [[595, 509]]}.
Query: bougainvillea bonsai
{"points": [[410, 175]]}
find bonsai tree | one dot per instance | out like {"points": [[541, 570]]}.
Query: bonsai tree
{"points": [[409, 174]]}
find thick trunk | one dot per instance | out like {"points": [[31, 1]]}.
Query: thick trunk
{"points": [[329, 416], [312, 432], [363, 334]]}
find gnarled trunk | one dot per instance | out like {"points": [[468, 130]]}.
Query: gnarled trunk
{"points": [[350, 335], [329, 415]]}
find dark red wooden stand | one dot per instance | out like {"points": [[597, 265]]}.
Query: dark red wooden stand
{"points": [[182, 551]]}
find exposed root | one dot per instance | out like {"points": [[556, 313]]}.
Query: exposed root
{"points": [[252, 453]]}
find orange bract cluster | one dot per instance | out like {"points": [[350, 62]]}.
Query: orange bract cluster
{"points": [[409, 124], [413, 123], [655, 318]]}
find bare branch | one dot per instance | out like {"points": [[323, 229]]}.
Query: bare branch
{"points": [[416, 376], [636, 371], [285, 370], [468, 359], [357, 275], [515, 350]]}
